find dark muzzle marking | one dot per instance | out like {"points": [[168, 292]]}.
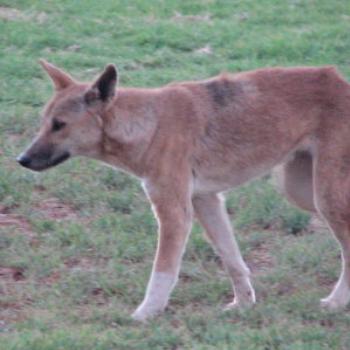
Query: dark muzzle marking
{"points": [[43, 160]]}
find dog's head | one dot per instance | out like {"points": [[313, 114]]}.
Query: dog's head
{"points": [[71, 122]]}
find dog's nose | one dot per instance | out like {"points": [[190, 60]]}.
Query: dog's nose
{"points": [[24, 160]]}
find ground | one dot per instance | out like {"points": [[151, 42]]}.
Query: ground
{"points": [[77, 242]]}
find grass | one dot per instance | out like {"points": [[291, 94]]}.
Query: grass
{"points": [[77, 242]]}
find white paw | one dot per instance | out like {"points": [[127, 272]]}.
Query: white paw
{"points": [[332, 304], [232, 306], [140, 316], [239, 304], [144, 313], [245, 297]]}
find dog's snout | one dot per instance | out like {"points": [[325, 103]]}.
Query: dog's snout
{"points": [[24, 160]]}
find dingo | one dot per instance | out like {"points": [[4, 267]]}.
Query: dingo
{"points": [[190, 141]]}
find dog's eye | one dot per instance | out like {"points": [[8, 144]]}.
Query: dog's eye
{"points": [[57, 125]]}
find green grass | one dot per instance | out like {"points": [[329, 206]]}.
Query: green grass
{"points": [[75, 261]]}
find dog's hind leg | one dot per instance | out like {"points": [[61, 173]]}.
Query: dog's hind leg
{"points": [[295, 179], [332, 194], [211, 213]]}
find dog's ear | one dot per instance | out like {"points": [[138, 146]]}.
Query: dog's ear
{"points": [[103, 89], [60, 79]]}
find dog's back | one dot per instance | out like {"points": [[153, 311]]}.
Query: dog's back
{"points": [[241, 118]]}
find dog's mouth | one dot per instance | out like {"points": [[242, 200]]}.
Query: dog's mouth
{"points": [[60, 159], [41, 163]]}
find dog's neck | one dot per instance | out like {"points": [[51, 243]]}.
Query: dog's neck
{"points": [[128, 127]]}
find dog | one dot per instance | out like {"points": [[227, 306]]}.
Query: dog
{"points": [[189, 142]]}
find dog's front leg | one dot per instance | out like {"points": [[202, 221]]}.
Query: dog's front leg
{"points": [[173, 209]]}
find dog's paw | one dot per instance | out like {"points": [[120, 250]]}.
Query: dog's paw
{"points": [[143, 314], [331, 304], [140, 316], [243, 300], [239, 305]]}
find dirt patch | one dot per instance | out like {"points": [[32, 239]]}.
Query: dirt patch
{"points": [[54, 209], [11, 274], [73, 264], [206, 50], [19, 223], [326, 281], [11, 302], [54, 277], [178, 17], [82, 263], [51, 208], [10, 313], [13, 14]]}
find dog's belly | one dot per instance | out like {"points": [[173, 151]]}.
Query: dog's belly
{"points": [[221, 174], [227, 177]]}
